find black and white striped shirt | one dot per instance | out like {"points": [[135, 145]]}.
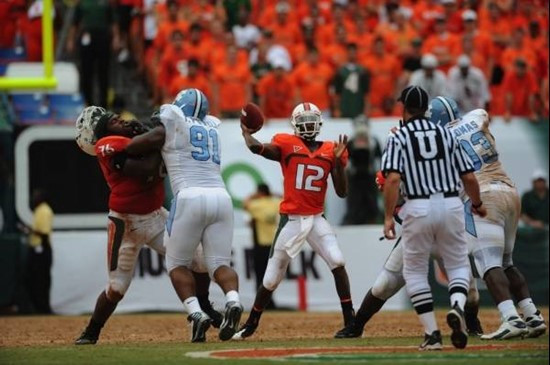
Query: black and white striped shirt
{"points": [[428, 158]]}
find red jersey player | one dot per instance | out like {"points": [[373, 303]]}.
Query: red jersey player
{"points": [[306, 165], [136, 216]]}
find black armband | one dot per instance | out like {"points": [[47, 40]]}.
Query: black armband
{"points": [[119, 160]]}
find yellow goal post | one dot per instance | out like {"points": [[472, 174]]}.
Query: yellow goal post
{"points": [[47, 81]]}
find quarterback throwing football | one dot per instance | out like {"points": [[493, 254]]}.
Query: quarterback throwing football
{"points": [[306, 165]]}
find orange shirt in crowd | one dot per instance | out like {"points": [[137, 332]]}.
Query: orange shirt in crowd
{"points": [[216, 55], [172, 64], [511, 54], [312, 82], [286, 34], [326, 34], [277, 94], [185, 82], [384, 72], [303, 10], [521, 88], [424, 14], [164, 33], [232, 82], [268, 16], [441, 45], [200, 52], [334, 54], [398, 40]]}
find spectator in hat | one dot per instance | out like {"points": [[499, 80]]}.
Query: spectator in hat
{"points": [[520, 88], [534, 203], [429, 77], [468, 86]]}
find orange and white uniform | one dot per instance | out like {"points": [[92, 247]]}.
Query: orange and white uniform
{"points": [[305, 174], [136, 216]]}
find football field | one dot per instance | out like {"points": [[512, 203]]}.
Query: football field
{"points": [[283, 337]]}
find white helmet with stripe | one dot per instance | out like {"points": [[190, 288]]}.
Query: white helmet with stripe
{"points": [[86, 124], [307, 120]]}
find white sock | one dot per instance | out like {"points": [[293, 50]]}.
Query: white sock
{"points": [[192, 305], [428, 320], [459, 298], [507, 309], [527, 307], [232, 296]]}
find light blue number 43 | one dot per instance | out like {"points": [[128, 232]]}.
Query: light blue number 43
{"points": [[198, 137], [490, 154]]}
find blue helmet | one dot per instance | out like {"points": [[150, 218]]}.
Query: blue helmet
{"points": [[443, 110], [192, 102]]}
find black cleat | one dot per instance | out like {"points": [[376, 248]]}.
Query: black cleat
{"points": [[245, 331], [349, 318], [87, 337], [215, 316], [350, 331], [455, 320], [201, 324], [231, 320], [473, 326], [431, 342]]}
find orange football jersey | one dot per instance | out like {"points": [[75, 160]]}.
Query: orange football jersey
{"points": [[305, 174], [129, 195]]}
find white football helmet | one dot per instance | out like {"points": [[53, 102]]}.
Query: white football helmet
{"points": [[85, 125], [307, 120]]}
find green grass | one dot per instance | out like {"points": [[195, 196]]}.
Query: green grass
{"points": [[175, 353]]}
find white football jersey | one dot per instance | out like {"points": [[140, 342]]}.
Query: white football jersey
{"points": [[191, 150], [472, 131]]}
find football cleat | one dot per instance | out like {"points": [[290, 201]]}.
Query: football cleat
{"points": [[473, 325], [350, 331], [87, 337], [215, 316], [231, 320], [535, 325], [245, 331], [455, 320], [201, 323], [511, 328], [431, 342]]}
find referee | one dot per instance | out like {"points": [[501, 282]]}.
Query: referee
{"points": [[430, 163]]}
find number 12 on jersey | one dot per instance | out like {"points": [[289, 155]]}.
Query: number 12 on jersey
{"points": [[306, 183]]}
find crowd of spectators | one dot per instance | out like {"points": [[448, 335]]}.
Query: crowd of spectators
{"points": [[349, 57]]}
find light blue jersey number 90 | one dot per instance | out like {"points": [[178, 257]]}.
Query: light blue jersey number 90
{"points": [[199, 138], [486, 152]]}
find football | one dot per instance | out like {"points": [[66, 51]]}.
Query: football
{"points": [[252, 117]]}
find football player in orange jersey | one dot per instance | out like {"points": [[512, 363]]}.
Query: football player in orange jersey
{"points": [[306, 165], [136, 215]]}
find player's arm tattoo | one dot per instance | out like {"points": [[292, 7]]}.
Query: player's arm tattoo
{"points": [[267, 150], [339, 179], [147, 142]]}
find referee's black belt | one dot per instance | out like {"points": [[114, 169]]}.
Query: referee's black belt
{"points": [[445, 195]]}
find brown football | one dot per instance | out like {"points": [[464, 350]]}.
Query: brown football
{"points": [[252, 117]]}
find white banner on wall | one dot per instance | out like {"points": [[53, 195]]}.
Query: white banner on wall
{"points": [[518, 151], [79, 274]]}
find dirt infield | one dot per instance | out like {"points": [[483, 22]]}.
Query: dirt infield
{"points": [[155, 328]]}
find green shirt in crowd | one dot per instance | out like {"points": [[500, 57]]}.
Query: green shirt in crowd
{"points": [[535, 207], [351, 82]]}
